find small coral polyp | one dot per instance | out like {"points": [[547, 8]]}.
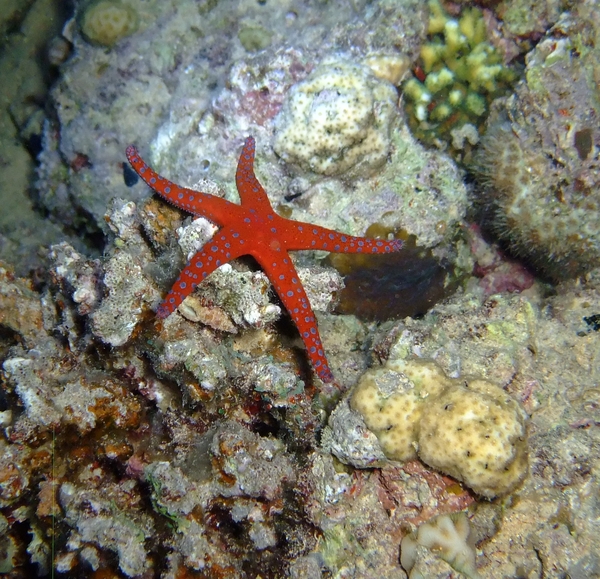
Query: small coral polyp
{"points": [[105, 22], [450, 537], [458, 75], [338, 119]]}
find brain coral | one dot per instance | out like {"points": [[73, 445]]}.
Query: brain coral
{"points": [[337, 119]]}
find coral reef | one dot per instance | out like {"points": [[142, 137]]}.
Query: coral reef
{"points": [[193, 121], [508, 340], [199, 445], [234, 460], [190, 98], [20, 310], [27, 29], [253, 228], [116, 522], [538, 163]]}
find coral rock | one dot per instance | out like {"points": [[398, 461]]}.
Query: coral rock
{"points": [[539, 161], [338, 119]]}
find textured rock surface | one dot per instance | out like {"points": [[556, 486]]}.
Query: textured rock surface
{"points": [[539, 162]]}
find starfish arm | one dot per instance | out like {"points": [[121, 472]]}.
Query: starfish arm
{"points": [[213, 208], [284, 277], [250, 190], [254, 228], [226, 245], [306, 236]]}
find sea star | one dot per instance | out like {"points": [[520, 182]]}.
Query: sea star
{"points": [[253, 228]]}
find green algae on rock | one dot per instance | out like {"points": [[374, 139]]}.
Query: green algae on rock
{"points": [[254, 38]]}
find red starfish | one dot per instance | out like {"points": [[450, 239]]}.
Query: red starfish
{"points": [[254, 228]]}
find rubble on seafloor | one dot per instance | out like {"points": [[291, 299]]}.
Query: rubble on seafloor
{"points": [[111, 455], [201, 445]]}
